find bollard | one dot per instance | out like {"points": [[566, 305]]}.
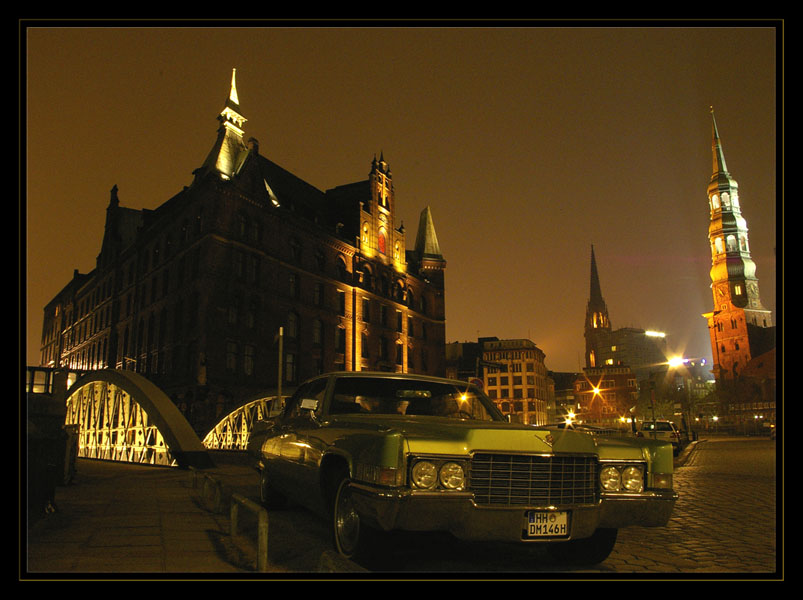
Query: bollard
{"points": [[262, 527], [217, 502]]}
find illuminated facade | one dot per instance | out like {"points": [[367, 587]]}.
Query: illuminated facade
{"points": [[739, 326], [605, 395], [250, 272], [516, 379]]}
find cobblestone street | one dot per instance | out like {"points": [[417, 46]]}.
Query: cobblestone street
{"points": [[724, 520]]}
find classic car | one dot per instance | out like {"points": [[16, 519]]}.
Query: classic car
{"points": [[378, 452]]}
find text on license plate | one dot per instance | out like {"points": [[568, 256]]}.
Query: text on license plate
{"points": [[547, 523]]}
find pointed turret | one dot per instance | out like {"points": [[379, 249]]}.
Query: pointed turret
{"points": [[426, 241], [231, 116], [229, 151], [427, 249]]}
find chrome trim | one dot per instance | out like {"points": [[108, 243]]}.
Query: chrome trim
{"points": [[528, 480]]}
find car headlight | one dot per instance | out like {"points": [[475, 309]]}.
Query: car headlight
{"points": [[610, 479], [443, 474], [622, 478], [424, 475], [452, 476], [633, 479]]}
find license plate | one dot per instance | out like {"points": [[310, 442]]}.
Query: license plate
{"points": [[547, 523]]}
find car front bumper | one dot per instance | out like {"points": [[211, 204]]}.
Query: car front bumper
{"points": [[457, 513]]}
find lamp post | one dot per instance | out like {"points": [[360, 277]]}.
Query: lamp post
{"points": [[675, 363]]}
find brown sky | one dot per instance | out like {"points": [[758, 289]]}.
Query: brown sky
{"points": [[530, 144]]}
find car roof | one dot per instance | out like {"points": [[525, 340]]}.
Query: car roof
{"points": [[391, 375]]}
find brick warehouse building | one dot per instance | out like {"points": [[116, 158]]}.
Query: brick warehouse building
{"points": [[195, 293]]}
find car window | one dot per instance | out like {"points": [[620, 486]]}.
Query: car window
{"points": [[315, 389], [388, 396]]}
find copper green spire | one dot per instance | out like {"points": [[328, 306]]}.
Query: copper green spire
{"points": [[426, 242]]}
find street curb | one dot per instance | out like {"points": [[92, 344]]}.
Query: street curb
{"points": [[686, 453]]}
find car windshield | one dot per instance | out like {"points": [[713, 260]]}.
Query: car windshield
{"points": [[389, 396]]}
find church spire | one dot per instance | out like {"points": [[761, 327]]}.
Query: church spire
{"points": [[595, 295], [597, 311], [597, 323], [720, 177]]}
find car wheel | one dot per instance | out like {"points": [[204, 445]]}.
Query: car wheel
{"points": [[352, 537], [587, 551], [268, 495]]}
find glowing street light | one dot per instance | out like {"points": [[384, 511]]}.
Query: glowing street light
{"points": [[676, 361]]}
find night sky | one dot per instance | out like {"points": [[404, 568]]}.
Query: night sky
{"points": [[529, 143]]}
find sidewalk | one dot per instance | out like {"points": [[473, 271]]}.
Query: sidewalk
{"points": [[117, 518]]}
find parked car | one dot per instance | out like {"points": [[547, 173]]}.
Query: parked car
{"points": [[666, 431], [377, 452]]}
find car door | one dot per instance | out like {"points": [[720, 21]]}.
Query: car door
{"points": [[297, 453]]}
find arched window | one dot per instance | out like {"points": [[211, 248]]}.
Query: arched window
{"points": [[731, 243], [381, 241]]}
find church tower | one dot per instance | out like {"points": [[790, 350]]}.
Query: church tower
{"points": [[597, 323], [739, 324]]}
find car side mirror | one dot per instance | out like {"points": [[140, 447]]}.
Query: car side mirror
{"points": [[310, 404]]}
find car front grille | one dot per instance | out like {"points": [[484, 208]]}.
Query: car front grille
{"points": [[533, 480]]}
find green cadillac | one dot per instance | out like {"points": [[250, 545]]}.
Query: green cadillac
{"points": [[380, 451]]}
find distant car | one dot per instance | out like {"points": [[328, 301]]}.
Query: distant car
{"points": [[666, 431], [379, 452]]}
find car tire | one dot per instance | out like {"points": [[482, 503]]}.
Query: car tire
{"points": [[587, 551], [268, 495], [352, 538]]}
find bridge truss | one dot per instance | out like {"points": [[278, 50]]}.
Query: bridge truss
{"points": [[233, 431], [121, 416]]}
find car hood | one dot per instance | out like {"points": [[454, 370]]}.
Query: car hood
{"points": [[434, 435]]}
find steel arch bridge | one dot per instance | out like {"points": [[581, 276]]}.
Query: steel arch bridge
{"points": [[122, 416], [233, 430]]}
